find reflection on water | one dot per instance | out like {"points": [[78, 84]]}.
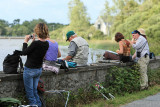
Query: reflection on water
{"points": [[94, 55], [7, 46]]}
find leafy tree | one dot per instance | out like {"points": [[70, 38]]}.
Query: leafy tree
{"points": [[3, 24], [54, 26], [22, 30], [145, 15], [2, 30], [79, 22], [36, 21], [14, 30], [130, 8], [8, 31], [120, 4], [107, 16], [16, 21], [27, 24], [79, 19]]}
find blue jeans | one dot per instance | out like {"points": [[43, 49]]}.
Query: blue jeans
{"points": [[31, 78]]}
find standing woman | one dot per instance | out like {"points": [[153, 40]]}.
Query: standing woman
{"points": [[124, 47], [33, 67]]}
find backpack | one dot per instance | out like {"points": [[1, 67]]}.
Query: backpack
{"points": [[151, 55], [11, 63], [64, 64]]}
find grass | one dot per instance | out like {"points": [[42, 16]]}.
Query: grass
{"points": [[103, 44], [96, 44], [127, 98], [111, 45], [62, 42]]}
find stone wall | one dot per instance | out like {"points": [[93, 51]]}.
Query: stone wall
{"points": [[11, 85]]}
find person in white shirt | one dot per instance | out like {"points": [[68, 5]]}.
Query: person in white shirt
{"points": [[140, 44]]}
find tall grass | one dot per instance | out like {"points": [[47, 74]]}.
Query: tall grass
{"points": [[121, 100]]}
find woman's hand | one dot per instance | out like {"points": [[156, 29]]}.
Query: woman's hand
{"points": [[34, 36], [27, 38]]}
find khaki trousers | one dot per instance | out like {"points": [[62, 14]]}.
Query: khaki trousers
{"points": [[143, 63]]}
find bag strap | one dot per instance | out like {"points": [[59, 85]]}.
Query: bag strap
{"points": [[143, 46], [21, 65], [17, 52]]}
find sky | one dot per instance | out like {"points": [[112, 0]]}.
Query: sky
{"points": [[52, 11]]}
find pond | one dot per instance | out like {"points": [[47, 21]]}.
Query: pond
{"points": [[7, 46]]}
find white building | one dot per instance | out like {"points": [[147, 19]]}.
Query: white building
{"points": [[101, 25]]}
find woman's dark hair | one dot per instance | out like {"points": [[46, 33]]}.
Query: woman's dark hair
{"points": [[118, 36]]}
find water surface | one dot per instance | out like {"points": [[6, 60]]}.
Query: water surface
{"points": [[7, 46]]}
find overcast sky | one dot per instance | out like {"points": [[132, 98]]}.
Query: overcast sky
{"points": [[50, 10]]}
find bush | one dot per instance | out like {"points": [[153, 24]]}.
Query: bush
{"points": [[120, 80], [154, 77]]}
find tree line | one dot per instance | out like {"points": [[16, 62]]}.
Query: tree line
{"points": [[17, 29]]}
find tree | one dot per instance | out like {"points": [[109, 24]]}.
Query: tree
{"points": [[3, 25], [120, 4], [16, 21], [22, 30], [79, 19], [137, 15], [36, 21], [54, 26], [107, 16], [130, 8], [8, 31]]}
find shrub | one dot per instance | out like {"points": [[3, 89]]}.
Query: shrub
{"points": [[123, 79], [154, 77]]}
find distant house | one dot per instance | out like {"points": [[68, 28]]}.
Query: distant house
{"points": [[101, 25]]}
